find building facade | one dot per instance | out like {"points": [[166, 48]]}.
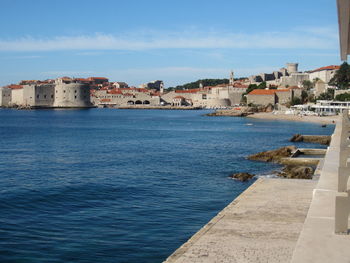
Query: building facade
{"points": [[279, 96]]}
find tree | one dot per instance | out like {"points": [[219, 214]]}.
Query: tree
{"points": [[295, 101], [341, 78], [195, 84], [307, 84], [328, 95], [343, 97], [304, 96], [262, 85], [250, 88]]}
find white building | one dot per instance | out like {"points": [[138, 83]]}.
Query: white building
{"points": [[329, 107], [325, 73]]}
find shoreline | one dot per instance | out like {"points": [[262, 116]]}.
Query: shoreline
{"points": [[298, 118]]}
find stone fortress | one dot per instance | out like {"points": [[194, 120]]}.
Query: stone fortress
{"points": [[289, 83], [68, 92], [290, 76], [59, 93]]}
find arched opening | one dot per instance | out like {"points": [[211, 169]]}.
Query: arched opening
{"points": [[146, 102], [138, 102], [130, 102]]}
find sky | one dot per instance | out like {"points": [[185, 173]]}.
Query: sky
{"points": [[177, 41]]}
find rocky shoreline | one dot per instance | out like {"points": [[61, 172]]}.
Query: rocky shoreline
{"points": [[290, 171], [240, 111]]}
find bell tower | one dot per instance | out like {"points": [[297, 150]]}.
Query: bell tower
{"points": [[231, 78], [161, 88]]}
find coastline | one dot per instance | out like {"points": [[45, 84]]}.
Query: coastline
{"points": [[287, 117]]}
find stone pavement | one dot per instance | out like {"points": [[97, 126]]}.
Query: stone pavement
{"points": [[261, 225]]}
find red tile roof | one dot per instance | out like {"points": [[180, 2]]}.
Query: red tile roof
{"points": [[83, 80], [187, 91], [282, 90], [179, 97], [262, 92], [114, 91], [101, 78], [331, 67], [266, 91], [13, 86], [155, 93]]}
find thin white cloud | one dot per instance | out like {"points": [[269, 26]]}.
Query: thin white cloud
{"points": [[296, 39], [54, 74]]}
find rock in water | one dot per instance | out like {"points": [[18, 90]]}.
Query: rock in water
{"points": [[243, 177], [297, 172], [273, 155], [296, 138], [320, 139]]}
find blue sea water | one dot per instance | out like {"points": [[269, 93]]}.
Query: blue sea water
{"points": [[106, 185]]}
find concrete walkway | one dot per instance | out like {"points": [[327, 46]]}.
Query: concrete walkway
{"points": [[261, 225], [317, 241]]}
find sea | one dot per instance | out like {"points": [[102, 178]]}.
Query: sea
{"points": [[113, 186]]}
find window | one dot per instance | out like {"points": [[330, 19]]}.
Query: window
{"points": [[37, 96], [75, 91], [51, 96], [75, 97], [64, 91], [45, 96]]}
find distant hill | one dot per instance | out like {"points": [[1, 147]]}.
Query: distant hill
{"points": [[205, 82], [195, 85]]}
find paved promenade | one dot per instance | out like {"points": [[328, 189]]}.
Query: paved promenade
{"points": [[317, 241], [261, 225]]}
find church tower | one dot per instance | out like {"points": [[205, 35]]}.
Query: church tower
{"points": [[231, 78], [200, 85], [161, 88]]}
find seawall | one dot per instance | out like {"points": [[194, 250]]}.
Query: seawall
{"points": [[261, 225]]}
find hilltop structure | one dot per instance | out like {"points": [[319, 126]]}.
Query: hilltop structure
{"points": [[290, 76]]}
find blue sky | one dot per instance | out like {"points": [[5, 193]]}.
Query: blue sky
{"points": [[174, 40]]}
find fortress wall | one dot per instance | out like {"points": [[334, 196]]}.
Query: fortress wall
{"points": [[17, 97], [261, 99], [216, 102], [44, 95], [5, 97], [72, 95]]}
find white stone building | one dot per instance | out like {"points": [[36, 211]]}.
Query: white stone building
{"points": [[223, 95], [325, 73], [124, 97]]}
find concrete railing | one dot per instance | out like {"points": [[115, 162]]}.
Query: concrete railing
{"points": [[342, 199]]}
